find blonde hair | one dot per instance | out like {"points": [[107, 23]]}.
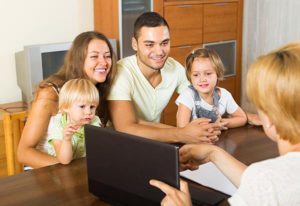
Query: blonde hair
{"points": [[273, 85], [77, 90], [210, 54]]}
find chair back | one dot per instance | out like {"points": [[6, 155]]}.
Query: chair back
{"points": [[13, 124]]}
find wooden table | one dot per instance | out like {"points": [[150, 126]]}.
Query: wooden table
{"points": [[67, 184]]}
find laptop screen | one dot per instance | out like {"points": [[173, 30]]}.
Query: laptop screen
{"points": [[120, 165]]}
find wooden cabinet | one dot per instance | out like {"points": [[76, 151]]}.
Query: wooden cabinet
{"points": [[185, 21], [220, 21]]}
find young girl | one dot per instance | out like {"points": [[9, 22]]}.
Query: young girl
{"points": [[78, 100], [273, 86], [203, 99]]}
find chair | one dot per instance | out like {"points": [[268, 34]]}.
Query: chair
{"points": [[13, 126]]}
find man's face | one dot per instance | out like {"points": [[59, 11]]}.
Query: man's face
{"points": [[152, 47]]}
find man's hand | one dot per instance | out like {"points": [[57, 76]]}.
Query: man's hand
{"points": [[200, 131]]}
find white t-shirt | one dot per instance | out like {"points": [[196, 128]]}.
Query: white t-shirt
{"points": [[226, 102], [130, 84], [270, 182]]}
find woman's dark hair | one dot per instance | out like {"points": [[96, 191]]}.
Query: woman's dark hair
{"points": [[73, 68]]}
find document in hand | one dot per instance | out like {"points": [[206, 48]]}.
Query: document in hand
{"points": [[209, 175]]}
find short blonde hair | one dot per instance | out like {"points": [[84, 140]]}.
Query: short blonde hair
{"points": [[273, 85], [76, 90], [205, 53]]}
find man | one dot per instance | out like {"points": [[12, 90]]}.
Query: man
{"points": [[145, 83]]}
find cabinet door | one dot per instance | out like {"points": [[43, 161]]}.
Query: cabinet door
{"points": [[220, 22], [185, 21], [181, 52]]}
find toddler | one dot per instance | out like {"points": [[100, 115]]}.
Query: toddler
{"points": [[78, 100]]}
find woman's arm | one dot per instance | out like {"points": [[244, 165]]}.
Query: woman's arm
{"points": [[191, 156], [44, 106], [236, 119]]}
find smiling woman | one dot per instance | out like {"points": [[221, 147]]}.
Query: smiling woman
{"points": [[90, 57]]}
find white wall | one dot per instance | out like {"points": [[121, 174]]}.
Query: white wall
{"points": [[31, 22], [267, 24]]}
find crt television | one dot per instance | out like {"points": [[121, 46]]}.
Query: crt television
{"points": [[37, 62]]}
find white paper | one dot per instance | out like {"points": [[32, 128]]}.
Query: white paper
{"points": [[209, 175]]}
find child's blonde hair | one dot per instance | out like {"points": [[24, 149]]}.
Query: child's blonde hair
{"points": [[75, 90], [210, 54], [273, 85]]}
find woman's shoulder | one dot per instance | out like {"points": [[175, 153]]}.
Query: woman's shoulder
{"points": [[48, 92], [45, 100]]}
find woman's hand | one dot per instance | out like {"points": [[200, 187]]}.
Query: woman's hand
{"points": [[174, 197], [192, 155]]}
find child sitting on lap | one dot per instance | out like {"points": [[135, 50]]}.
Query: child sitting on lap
{"points": [[78, 100]]}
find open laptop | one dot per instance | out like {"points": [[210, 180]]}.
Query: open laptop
{"points": [[120, 165]]}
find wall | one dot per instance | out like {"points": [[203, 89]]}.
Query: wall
{"points": [[268, 24], [36, 22]]}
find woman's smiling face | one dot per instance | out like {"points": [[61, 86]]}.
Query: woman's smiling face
{"points": [[98, 61]]}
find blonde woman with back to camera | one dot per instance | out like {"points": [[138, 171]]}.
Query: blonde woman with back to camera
{"points": [[273, 86]]}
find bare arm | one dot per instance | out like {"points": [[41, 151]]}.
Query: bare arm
{"points": [[236, 119], [191, 156], [154, 124], [63, 148], [183, 115], [124, 119], [253, 119], [35, 129]]}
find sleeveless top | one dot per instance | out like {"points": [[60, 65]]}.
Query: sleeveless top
{"points": [[202, 112], [42, 144]]}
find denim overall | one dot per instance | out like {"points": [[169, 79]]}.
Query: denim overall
{"points": [[202, 112]]}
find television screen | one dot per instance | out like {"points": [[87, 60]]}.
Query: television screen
{"points": [[51, 62]]}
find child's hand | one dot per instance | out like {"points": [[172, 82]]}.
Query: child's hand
{"points": [[69, 130], [223, 123]]}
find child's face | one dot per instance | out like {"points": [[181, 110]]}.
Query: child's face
{"points": [[82, 113], [203, 76]]}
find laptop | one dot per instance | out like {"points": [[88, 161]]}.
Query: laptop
{"points": [[120, 165]]}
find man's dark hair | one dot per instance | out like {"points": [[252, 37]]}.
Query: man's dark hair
{"points": [[148, 19]]}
